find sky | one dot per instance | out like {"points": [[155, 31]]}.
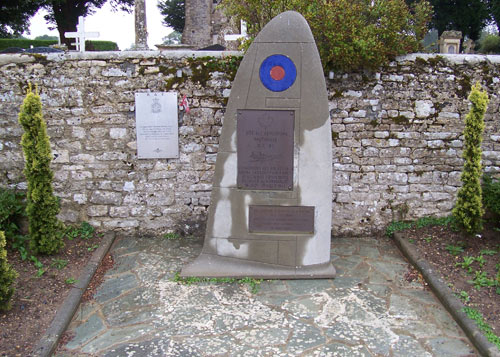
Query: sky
{"points": [[117, 26]]}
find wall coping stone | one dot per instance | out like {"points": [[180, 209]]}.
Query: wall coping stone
{"points": [[77, 56], [173, 54]]}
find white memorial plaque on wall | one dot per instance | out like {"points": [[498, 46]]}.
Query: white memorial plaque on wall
{"points": [[156, 125]]}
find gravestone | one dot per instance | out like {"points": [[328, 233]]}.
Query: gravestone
{"points": [[271, 205], [156, 125]]}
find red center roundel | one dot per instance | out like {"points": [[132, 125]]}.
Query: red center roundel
{"points": [[277, 73]]}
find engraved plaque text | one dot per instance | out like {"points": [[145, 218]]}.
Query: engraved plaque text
{"points": [[265, 149], [283, 219], [156, 125]]}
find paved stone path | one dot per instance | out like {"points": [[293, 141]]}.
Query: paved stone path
{"points": [[367, 310]]}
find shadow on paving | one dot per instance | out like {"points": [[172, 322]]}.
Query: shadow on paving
{"points": [[369, 309]]}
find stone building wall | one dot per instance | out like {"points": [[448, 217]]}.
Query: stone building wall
{"points": [[198, 24], [397, 139]]}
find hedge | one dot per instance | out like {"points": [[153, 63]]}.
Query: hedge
{"points": [[24, 43]]}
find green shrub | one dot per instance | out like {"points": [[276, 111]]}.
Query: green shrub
{"points": [[7, 277], [491, 194], [42, 206], [489, 43], [101, 46], [24, 43], [350, 35], [12, 208], [468, 209]]}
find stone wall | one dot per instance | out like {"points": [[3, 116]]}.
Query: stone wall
{"points": [[397, 135]]}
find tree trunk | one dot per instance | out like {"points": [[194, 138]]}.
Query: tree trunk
{"points": [[66, 16]]}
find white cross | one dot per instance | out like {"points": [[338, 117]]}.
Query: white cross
{"points": [[235, 37], [80, 35]]}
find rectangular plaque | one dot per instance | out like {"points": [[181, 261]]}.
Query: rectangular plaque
{"points": [[156, 125], [282, 219], [265, 149]]}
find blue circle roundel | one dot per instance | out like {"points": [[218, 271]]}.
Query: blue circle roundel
{"points": [[277, 73]]}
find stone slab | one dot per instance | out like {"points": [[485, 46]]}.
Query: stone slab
{"points": [[156, 125]]}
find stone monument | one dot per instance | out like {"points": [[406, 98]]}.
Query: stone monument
{"points": [[449, 42], [271, 206], [141, 31]]}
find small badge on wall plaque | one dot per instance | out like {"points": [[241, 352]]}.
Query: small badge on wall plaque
{"points": [[282, 219], [265, 149]]}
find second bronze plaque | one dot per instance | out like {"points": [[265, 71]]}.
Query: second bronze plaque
{"points": [[265, 149]]}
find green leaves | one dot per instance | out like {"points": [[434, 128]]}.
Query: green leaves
{"points": [[42, 206], [7, 277], [468, 209], [350, 35]]}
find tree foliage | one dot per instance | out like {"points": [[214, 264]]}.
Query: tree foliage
{"points": [[7, 277], [349, 34], [174, 13], [15, 15], [42, 206], [467, 16], [469, 209]]}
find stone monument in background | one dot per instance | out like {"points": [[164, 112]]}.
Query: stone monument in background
{"points": [[271, 205], [449, 42], [141, 31]]}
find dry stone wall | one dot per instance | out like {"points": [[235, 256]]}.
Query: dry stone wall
{"points": [[397, 135]]}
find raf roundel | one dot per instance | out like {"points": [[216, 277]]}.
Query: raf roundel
{"points": [[277, 73]]}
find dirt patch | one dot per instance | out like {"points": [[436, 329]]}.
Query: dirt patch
{"points": [[468, 264], [37, 298]]}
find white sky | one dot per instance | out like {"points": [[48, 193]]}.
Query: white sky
{"points": [[117, 26]]}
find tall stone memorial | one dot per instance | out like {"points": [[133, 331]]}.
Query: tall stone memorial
{"points": [[271, 205]]}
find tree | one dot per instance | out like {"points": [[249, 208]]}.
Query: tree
{"points": [[468, 209], [42, 206], [15, 15], [173, 38], [494, 10], [467, 16], [64, 13], [46, 37], [349, 34], [174, 12]]}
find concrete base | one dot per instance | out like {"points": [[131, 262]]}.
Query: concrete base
{"points": [[215, 266]]}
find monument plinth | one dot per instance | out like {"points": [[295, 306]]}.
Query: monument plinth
{"points": [[271, 205]]}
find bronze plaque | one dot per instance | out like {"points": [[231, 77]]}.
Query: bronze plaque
{"points": [[265, 149], [284, 219]]}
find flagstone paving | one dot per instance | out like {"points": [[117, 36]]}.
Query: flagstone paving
{"points": [[369, 309]]}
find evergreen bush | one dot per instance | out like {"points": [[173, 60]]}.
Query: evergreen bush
{"points": [[491, 194], [489, 44], [42, 206], [468, 209], [12, 208], [7, 277]]}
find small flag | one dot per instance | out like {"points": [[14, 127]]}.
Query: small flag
{"points": [[185, 104]]}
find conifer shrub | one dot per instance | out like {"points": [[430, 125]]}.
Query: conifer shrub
{"points": [[12, 208], [491, 194], [468, 209], [7, 277], [45, 229]]}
